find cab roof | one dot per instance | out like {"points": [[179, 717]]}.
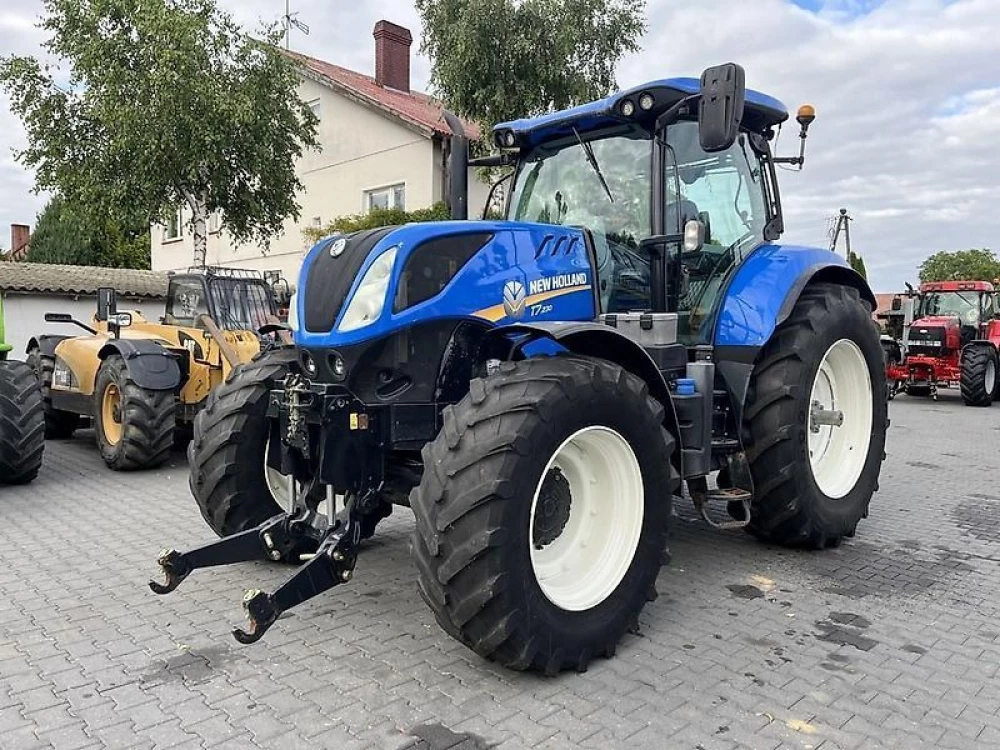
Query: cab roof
{"points": [[956, 286], [759, 113]]}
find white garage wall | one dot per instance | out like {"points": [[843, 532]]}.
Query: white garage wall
{"points": [[24, 315]]}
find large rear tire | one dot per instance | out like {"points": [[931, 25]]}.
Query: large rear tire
{"points": [[813, 482], [134, 425], [979, 375], [59, 425], [22, 423], [541, 517]]}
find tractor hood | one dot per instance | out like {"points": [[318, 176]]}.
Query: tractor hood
{"points": [[368, 284], [940, 332], [936, 321]]}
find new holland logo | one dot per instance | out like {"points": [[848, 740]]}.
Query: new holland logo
{"points": [[513, 299], [560, 281], [338, 247]]}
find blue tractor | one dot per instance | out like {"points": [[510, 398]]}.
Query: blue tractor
{"points": [[536, 389]]}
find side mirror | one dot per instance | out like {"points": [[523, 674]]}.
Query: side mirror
{"points": [[107, 302], [720, 107], [694, 236], [122, 320]]}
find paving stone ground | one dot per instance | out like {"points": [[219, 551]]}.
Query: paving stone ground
{"points": [[890, 641]]}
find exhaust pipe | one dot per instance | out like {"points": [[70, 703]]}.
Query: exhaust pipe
{"points": [[458, 168]]}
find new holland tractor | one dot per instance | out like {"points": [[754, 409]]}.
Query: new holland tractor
{"points": [[954, 339], [536, 389], [22, 424], [142, 382]]}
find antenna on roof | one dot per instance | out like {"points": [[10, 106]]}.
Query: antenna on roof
{"points": [[290, 20]]}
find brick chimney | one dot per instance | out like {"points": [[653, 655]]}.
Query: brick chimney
{"points": [[20, 237], [392, 56]]}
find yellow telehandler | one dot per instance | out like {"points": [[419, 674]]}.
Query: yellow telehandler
{"points": [[142, 382]]}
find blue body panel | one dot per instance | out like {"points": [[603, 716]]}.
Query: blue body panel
{"points": [[555, 286], [764, 110], [558, 286], [749, 311]]}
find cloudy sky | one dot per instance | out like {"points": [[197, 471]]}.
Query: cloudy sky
{"points": [[907, 92]]}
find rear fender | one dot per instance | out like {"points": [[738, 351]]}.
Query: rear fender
{"points": [[592, 340], [765, 288], [761, 296], [150, 365]]}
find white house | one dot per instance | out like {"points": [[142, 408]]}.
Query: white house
{"points": [[381, 144]]}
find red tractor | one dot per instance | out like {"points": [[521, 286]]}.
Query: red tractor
{"points": [[953, 340]]}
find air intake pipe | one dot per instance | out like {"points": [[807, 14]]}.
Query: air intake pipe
{"points": [[458, 168]]}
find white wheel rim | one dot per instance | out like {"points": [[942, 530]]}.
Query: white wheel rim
{"points": [[990, 378], [584, 564], [277, 483], [837, 454]]}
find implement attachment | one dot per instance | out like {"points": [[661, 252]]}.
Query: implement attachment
{"points": [[283, 537], [332, 565]]}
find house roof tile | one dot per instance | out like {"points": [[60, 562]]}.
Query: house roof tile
{"points": [[62, 279], [414, 108]]}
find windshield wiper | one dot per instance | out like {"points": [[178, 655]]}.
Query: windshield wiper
{"points": [[588, 151]]}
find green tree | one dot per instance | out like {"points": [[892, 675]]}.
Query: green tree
{"points": [[493, 60], [377, 217], [168, 103], [64, 236], [977, 264], [858, 264]]}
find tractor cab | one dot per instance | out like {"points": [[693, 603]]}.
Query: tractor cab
{"points": [[234, 299], [961, 310], [640, 173]]}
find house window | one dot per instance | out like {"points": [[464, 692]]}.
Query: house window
{"points": [[173, 227], [214, 222], [393, 196], [314, 106]]}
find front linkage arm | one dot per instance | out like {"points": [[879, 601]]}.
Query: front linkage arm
{"points": [[332, 565], [277, 538], [274, 539]]}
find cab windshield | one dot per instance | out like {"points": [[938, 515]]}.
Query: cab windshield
{"points": [[964, 305], [235, 304], [558, 185]]}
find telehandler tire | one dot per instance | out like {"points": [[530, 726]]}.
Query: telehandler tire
{"points": [[813, 481], [542, 513], [59, 425], [134, 426], [22, 423], [978, 379]]}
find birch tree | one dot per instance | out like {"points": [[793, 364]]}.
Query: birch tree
{"points": [[151, 105]]}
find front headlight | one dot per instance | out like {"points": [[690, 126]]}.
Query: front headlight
{"points": [[369, 298], [293, 311]]}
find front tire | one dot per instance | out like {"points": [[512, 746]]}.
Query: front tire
{"points": [[542, 513], [813, 481], [979, 375], [227, 454], [134, 425], [22, 423]]}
